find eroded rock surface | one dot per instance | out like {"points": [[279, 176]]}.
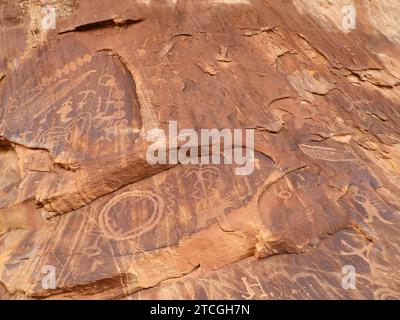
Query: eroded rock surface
{"points": [[76, 191]]}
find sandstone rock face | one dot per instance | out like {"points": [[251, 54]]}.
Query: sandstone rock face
{"points": [[79, 200]]}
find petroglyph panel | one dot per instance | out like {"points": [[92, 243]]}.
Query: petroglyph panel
{"points": [[77, 193], [327, 153], [86, 108]]}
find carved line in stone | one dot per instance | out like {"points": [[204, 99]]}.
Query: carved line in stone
{"points": [[327, 154], [109, 231]]}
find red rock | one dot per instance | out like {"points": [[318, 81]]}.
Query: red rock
{"points": [[79, 197]]}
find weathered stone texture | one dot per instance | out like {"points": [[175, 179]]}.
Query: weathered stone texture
{"points": [[77, 193]]}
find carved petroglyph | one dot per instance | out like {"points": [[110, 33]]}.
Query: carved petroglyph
{"points": [[327, 154], [60, 74], [373, 207], [114, 103], [254, 288], [205, 177], [89, 109], [187, 232], [206, 187], [59, 77], [373, 256], [153, 2], [73, 132], [145, 210]]}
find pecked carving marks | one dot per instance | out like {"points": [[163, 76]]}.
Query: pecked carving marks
{"points": [[145, 212], [87, 108], [327, 154]]}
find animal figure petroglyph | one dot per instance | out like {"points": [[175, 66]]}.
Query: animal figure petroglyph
{"points": [[327, 154], [72, 132]]}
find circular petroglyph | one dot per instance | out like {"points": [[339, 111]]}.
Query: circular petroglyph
{"points": [[131, 214], [284, 194]]}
